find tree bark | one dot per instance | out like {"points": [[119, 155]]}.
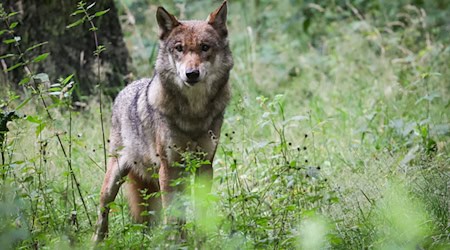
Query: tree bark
{"points": [[71, 50]]}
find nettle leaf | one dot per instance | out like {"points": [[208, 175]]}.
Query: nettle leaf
{"points": [[55, 85], [15, 66], [35, 46], [7, 56], [101, 13], [37, 120], [12, 40], [3, 32], [90, 6], [76, 23], [81, 4], [99, 50], [34, 119], [24, 81], [12, 14], [67, 79], [41, 57], [9, 41], [77, 12], [40, 128], [55, 93], [13, 25]]}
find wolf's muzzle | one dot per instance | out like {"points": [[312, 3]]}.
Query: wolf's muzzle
{"points": [[192, 76]]}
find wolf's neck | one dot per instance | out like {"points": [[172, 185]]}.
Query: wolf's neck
{"points": [[169, 99]]}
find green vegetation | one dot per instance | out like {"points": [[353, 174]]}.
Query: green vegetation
{"points": [[337, 136]]}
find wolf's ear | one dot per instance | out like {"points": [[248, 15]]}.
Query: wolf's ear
{"points": [[166, 22], [218, 19]]}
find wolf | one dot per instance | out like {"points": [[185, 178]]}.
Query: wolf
{"points": [[180, 109]]}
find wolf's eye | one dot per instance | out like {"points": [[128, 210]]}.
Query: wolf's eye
{"points": [[205, 47], [179, 48]]}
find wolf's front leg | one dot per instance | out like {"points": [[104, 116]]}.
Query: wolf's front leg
{"points": [[208, 144], [111, 184], [167, 174]]}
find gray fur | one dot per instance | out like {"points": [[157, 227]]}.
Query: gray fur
{"points": [[154, 119]]}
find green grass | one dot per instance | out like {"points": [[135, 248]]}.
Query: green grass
{"points": [[337, 137]]}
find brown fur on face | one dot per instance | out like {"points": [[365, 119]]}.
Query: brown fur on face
{"points": [[192, 45]]}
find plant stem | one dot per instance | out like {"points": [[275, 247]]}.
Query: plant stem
{"points": [[97, 55]]}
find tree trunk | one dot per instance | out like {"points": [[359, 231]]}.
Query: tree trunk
{"points": [[71, 50]]}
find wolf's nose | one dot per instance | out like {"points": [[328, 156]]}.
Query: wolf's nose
{"points": [[192, 75]]}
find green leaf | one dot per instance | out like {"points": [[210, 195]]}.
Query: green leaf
{"points": [[55, 85], [34, 119], [90, 6], [293, 164], [12, 14], [76, 23], [40, 128], [41, 57], [13, 25], [3, 32], [101, 13], [12, 40], [77, 12], [24, 81], [14, 67], [66, 80], [28, 179], [35, 46], [7, 56], [55, 93], [81, 4], [9, 41]]}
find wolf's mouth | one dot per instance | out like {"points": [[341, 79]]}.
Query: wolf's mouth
{"points": [[190, 83]]}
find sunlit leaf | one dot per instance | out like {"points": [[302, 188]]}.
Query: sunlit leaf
{"points": [[13, 25], [24, 81], [41, 57], [34, 119], [12, 14], [9, 41], [40, 128], [77, 12], [90, 6], [76, 23], [101, 13], [67, 79]]}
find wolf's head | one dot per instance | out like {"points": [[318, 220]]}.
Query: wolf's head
{"points": [[194, 54]]}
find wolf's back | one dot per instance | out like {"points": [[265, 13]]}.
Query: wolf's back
{"points": [[126, 114]]}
